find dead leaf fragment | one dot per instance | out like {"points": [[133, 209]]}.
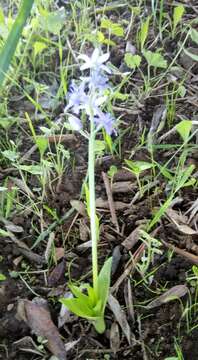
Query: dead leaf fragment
{"points": [[174, 293], [103, 204], [180, 221], [115, 337], [132, 239], [57, 273], [38, 318], [120, 317], [122, 187]]}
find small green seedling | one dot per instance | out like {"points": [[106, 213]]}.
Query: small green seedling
{"points": [[177, 16], [111, 172], [184, 128], [91, 305], [137, 167], [132, 61], [2, 277], [143, 33]]}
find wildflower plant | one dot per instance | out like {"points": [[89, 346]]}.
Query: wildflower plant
{"points": [[86, 100]]}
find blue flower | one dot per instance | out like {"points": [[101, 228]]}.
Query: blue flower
{"points": [[75, 123], [89, 95], [105, 120], [76, 97], [98, 80], [95, 61]]}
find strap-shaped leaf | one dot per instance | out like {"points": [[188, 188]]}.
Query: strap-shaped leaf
{"points": [[13, 38], [80, 308], [104, 279]]}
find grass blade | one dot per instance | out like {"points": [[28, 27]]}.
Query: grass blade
{"points": [[13, 38]]}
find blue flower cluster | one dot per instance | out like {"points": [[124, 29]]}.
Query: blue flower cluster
{"points": [[88, 94]]}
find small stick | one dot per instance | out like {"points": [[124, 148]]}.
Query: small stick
{"points": [[191, 257], [130, 266], [110, 200]]}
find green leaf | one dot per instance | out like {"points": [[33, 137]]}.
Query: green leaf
{"points": [[79, 307], [144, 32], [181, 90], [160, 213], [132, 61], [13, 38], [4, 233], [155, 59], [7, 122], [11, 155], [184, 176], [39, 47], [184, 128], [2, 277], [195, 270], [101, 39], [52, 21], [99, 147], [194, 35], [42, 143], [113, 28], [177, 16], [104, 280], [138, 166], [77, 292], [87, 196], [32, 169], [191, 55], [112, 171], [164, 171]]}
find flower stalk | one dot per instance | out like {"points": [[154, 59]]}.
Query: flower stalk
{"points": [[92, 204], [89, 98]]}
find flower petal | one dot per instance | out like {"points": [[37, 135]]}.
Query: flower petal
{"points": [[103, 58], [95, 55], [75, 123]]}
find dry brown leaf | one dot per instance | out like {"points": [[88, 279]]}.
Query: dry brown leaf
{"points": [[120, 316], [57, 273], [79, 207], [176, 217], [83, 230], [23, 186], [59, 253], [132, 239], [115, 337], [185, 229], [13, 228], [38, 318], [122, 187], [103, 204], [180, 221], [174, 293]]}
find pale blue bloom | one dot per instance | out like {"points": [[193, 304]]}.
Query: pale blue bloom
{"points": [[98, 80], [76, 97], [89, 95], [75, 123], [105, 120], [95, 62]]}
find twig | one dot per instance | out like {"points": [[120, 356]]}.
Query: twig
{"points": [[45, 233], [110, 200], [130, 266], [191, 257]]}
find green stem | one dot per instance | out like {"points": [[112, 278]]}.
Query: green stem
{"points": [[13, 37], [92, 205]]}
